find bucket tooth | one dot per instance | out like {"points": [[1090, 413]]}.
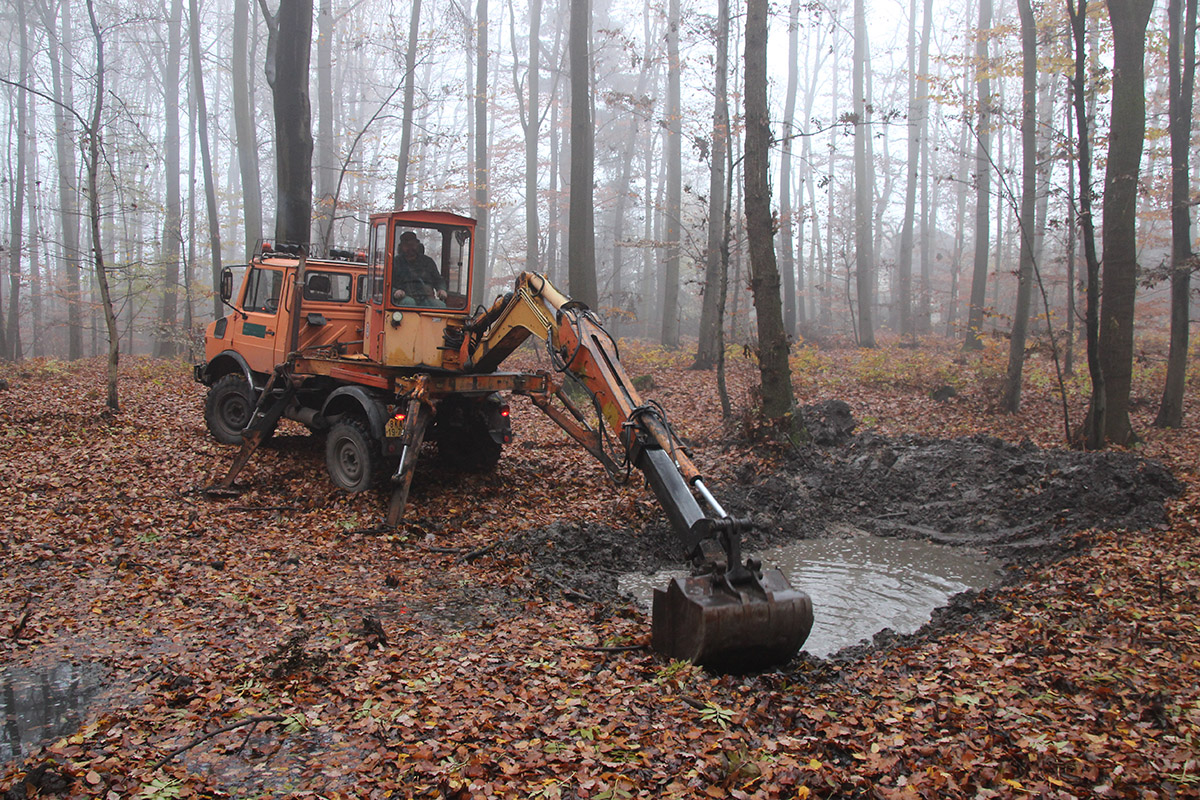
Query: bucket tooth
{"points": [[713, 622]]}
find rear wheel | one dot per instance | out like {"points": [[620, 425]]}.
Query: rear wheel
{"points": [[467, 453], [351, 455], [228, 407], [464, 438]]}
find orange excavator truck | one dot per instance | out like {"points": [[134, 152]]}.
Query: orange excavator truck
{"points": [[383, 350]]}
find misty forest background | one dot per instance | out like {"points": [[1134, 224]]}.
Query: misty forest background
{"points": [[990, 172]]}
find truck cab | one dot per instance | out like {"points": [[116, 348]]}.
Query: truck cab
{"points": [[417, 329]]}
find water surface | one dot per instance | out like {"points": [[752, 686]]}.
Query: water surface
{"points": [[861, 584], [41, 705]]}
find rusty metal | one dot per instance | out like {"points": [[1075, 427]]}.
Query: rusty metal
{"points": [[725, 621]]}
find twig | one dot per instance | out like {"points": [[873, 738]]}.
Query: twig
{"points": [[482, 551], [374, 531], [264, 508], [568, 592], [625, 648], [218, 732]]}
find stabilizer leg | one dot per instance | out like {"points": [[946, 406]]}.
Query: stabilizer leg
{"points": [[266, 416], [415, 425]]}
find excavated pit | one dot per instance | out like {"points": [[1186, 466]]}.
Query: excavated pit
{"points": [[1015, 504]]}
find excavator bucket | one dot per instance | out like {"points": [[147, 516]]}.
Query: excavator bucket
{"points": [[736, 623]]}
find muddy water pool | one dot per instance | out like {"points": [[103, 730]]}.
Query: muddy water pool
{"points": [[37, 705], [860, 584]]}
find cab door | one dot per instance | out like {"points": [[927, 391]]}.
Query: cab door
{"points": [[376, 264], [260, 335]]}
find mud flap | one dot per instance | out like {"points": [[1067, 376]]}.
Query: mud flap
{"points": [[752, 623]]}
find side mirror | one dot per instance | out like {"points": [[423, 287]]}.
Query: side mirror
{"points": [[226, 284]]}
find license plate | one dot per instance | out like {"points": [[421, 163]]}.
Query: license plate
{"points": [[393, 428]]}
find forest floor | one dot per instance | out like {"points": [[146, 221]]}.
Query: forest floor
{"points": [[280, 645]]}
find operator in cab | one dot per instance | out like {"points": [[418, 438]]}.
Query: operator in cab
{"points": [[415, 278]]}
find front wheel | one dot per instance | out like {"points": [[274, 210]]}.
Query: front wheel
{"points": [[351, 455], [228, 407]]}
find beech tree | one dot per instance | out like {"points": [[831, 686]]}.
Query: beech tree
{"points": [[674, 166], [1125, 138], [1020, 325], [581, 237], [864, 251], [779, 402], [92, 134], [290, 32], [1181, 79], [172, 232], [983, 179], [10, 345], [716, 255], [244, 129]]}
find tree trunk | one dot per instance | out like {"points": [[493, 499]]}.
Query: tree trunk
{"points": [[532, 128], [327, 166], [834, 132], [1094, 425], [40, 342], [1029, 180], [717, 255], [482, 175], [406, 121], [581, 242], [924, 298], [12, 349], [1072, 239], [983, 175], [243, 121], [287, 74], [787, 261], [960, 231], [674, 210], [210, 189], [93, 172], [778, 400], [1181, 84], [864, 256], [1119, 279], [903, 297], [68, 199], [172, 242]]}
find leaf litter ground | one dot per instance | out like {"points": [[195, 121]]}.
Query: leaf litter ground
{"points": [[484, 650]]}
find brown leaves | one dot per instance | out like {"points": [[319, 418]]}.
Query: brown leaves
{"points": [[473, 684]]}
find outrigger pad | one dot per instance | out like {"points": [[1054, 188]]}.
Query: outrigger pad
{"points": [[731, 627]]}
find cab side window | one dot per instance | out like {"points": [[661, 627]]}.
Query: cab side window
{"points": [[328, 286], [262, 290]]}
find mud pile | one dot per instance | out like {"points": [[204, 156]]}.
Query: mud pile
{"points": [[1017, 502]]}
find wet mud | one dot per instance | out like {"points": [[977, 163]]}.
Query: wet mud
{"points": [[1020, 504]]}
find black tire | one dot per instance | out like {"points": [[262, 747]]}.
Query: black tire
{"points": [[228, 407], [469, 446], [351, 455], [481, 454]]}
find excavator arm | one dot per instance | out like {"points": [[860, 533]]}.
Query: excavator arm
{"points": [[734, 614]]}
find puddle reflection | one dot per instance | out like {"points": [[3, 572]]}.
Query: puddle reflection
{"points": [[39, 705]]}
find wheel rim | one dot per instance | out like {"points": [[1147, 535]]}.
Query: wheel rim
{"points": [[235, 413], [349, 461]]}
